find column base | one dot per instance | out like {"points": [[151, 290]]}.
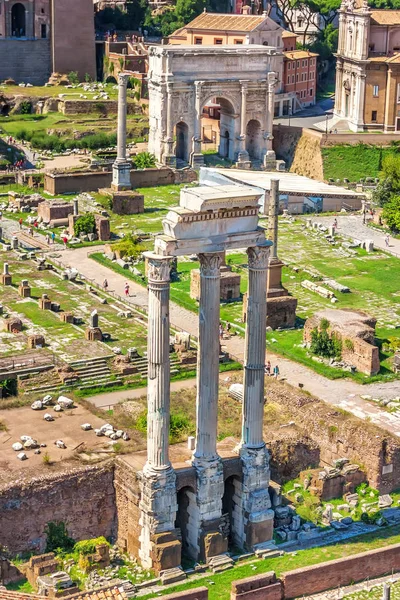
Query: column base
{"points": [[170, 160], [160, 548], [196, 160], [206, 533], [253, 521], [270, 161], [121, 176]]}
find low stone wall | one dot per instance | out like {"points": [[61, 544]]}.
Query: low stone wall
{"points": [[83, 497], [318, 578], [83, 107], [89, 181]]}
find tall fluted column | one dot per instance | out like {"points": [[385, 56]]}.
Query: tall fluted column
{"points": [[253, 518], [158, 502], [158, 379], [206, 511], [196, 156], [269, 160], [208, 358], [243, 155], [122, 166], [255, 344], [273, 211]]}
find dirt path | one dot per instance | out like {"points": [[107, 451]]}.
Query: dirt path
{"points": [[343, 393]]}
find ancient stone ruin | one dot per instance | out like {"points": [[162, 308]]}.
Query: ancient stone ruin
{"points": [[356, 332], [207, 222]]}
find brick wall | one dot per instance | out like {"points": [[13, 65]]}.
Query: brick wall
{"points": [[91, 181], [28, 61], [84, 498]]}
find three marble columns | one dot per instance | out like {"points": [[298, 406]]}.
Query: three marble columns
{"points": [[159, 503]]}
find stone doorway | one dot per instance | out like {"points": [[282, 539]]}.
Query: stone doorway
{"points": [[18, 21], [227, 128], [253, 139], [228, 505], [182, 141], [185, 498]]}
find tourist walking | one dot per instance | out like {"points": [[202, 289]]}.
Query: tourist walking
{"points": [[65, 240], [20, 223], [53, 237], [105, 285], [387, 240], [276, 371], [268, 368], [126, 289], [48, 239], [221, 331]]}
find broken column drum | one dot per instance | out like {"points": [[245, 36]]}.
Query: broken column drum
{"points": [[159, 547]]}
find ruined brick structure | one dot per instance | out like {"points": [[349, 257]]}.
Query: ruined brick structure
{"points": [[41, 36], [55, 210], [356, 330]]}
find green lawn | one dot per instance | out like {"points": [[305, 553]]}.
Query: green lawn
{"points": [[353, 162], [219, 585]]}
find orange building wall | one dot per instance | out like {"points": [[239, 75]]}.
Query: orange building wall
{"points": [[300, 76]]}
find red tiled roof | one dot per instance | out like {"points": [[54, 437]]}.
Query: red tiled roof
{"points": [[113, 593], [7, 595]]}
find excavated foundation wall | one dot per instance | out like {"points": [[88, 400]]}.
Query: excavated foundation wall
{"points": [[82, 497]]}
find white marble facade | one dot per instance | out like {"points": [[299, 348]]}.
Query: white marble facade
{"points": [[242, 80]]}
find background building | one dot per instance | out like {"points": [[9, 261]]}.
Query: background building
{"points": [[38, 37], [368, 68]]}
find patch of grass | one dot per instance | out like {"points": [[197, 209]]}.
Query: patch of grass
{"points": [[22, 586], [353, 162], [219, 585]]}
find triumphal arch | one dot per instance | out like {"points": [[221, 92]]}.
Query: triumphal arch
{"points": [[241, 79], [182, 505]]}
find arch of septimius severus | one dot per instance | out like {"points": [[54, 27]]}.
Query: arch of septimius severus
{"points": [[183, 506], [242, 79]]}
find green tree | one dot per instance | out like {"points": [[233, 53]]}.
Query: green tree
{"points": [[383, 192], [391, 170], [391, 214], [174, 18], [85, 224], [57, 537]]}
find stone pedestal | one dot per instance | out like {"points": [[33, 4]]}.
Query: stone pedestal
{"points": [[24, 289], [67, 317], [160, 548], [6, 279], [270, 161], [121, 176], [44, 302], [196, 160], [35, 341], [93, 334]]}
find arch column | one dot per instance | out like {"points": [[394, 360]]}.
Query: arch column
{"points": [[270, 157], [170, 157], [243, 156], [159, 546], [196, 157]]}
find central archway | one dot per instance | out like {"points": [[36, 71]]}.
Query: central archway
{"points": [[218, 126], [182, 141], [253, 139], [18, 20]]}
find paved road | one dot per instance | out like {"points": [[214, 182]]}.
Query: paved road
{"points": [[345, 394], [309, 116], [353, 227]]}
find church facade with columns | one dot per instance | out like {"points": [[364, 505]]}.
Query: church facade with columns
{"points": [[242, 79], [368, 68]]}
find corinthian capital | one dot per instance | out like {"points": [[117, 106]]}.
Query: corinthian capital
{"points": [[123, 79], [210, 264], [158, 267], [258, 257]]}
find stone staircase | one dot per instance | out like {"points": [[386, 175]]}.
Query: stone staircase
{"points": [[93, 372], [142, 367], [220, 563], [267, 550]]}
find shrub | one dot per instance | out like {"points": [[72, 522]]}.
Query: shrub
{"points": [[129, 246], [73, 77], [179, 424], [89, 546], [9, 387], [85, 224], [348, 344], [144, 160], [324, 345], [46, 460], [25, 108], [83, 563], [57, 537]]}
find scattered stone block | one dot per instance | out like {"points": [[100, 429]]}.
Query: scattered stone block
{"points": [[36, 341], [24, 289], [45, 302], [385, 501]]}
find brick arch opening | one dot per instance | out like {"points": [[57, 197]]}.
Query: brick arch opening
{"points": [[18, 20], [186, 500]]}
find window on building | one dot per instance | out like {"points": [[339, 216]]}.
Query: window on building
{"points": [[298, 64], [374, 116], [376, 90], [218, 41], [398, 93], [302, 63], [292, 78], [289, 66], [311, 92], [288, 79], [299, 22], [43, 31], [238, 42], [297, 77], [198, 40]]}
